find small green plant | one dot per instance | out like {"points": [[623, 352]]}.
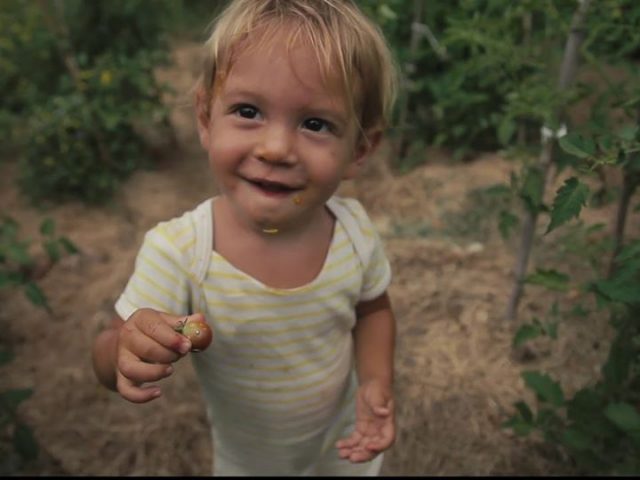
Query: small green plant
{"points": [[598, 428], [17, 442], [19, 269]]}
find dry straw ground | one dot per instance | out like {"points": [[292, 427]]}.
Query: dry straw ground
{"points": [[456, 378]]}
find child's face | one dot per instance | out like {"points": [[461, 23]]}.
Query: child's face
{"points": [[279, 142]]}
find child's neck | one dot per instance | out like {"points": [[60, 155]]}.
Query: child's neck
{"points": [[287, 259]]}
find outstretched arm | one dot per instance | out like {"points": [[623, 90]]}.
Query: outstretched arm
{"points": [[374, 340], [105, 351]]}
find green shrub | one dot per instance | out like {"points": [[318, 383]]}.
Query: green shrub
{"points": [[83, 77]]}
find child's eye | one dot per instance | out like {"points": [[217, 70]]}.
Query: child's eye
{"points": [[317, 125], [246, 111]]}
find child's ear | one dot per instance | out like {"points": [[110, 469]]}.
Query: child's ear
{"points": [[367, 144], [202, 115]]}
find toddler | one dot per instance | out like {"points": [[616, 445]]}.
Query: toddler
{"points": [[292, 279]]}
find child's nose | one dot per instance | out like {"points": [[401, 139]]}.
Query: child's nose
{"points": [[276, 146]]}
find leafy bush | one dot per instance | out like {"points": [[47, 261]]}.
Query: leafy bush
{"points": [[480, 74], [599, 427], [82, 73]]}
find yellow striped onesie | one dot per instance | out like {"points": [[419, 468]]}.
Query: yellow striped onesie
{"points": [[278, 379]]}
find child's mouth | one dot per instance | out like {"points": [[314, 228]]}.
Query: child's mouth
{"points": [[273, 188]]}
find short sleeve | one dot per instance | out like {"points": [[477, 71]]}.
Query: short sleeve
{"points": [[160, 279], [376, 267], [377, 274]]}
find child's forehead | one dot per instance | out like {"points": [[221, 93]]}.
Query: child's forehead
{"points": [[286, 76], [262, 52]]}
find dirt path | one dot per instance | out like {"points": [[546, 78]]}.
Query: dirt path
{"points": [[456, 381]]}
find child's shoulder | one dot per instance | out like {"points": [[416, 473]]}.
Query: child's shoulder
{"points": [[180, 231], [349, 209], [355, 221]]}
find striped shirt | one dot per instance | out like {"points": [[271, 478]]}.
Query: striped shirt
{"points": [[279, 378]]}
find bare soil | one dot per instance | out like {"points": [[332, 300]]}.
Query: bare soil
{"points": [[456, 376]]}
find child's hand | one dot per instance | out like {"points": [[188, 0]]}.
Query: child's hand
{"points": [[375, 424], [147, 346]]}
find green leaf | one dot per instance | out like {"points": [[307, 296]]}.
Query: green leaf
{"points": [[506, 129], [10, 279], [519, 426], [13, 398], [551, 329], [606, 143], [6, 356], [551, 279], [532, 189], [24, 442], [619, 362], [549, 422], [499, 190], [570, 199], [18, 253], [525, 412], [507, 221], [628, 132], [576, 440], [629, 252], [624, 416], [577, 145], [584, 405], [68, 245], [526, 332], [545, 388], [9, 227], [53, 250], [48, 227], [385, 12], [618, 290], [36, 295]]}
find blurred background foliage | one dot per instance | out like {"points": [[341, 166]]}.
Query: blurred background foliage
{"points": [[477, 75]]}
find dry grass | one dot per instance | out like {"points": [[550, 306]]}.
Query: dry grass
{"points": [[456, 377]]}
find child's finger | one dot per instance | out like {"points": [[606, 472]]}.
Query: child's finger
{"points": [[141, 372], [360, 456], [136, 394], [350, 441], [382, 411], [160, 327], [344, 452], [378, 445], [146, 348]]}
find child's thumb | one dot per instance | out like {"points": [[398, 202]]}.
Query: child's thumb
{"points": [[177, 322]]}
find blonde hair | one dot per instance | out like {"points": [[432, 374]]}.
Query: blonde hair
{"points": [[342, 36]]}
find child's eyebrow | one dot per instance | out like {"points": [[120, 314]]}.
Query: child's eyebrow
{"points": [[231, 93]]}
